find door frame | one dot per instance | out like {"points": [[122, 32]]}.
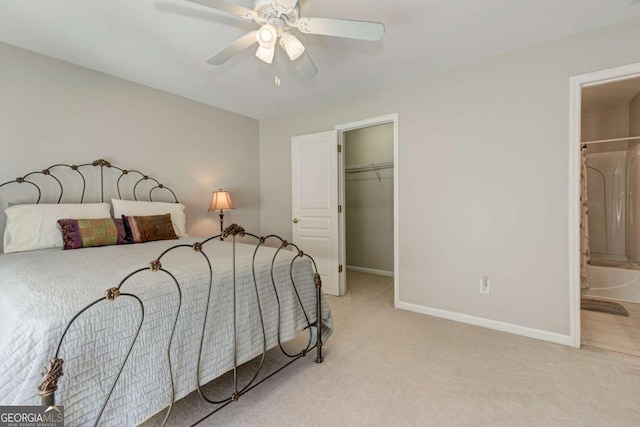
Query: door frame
{"points": [[341, 129], [575, 141]]}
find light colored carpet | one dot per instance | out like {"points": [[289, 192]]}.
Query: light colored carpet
{"points": [[387, 367]]}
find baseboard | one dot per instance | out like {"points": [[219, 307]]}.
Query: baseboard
{"points": [[370, 271], [490, 324]]}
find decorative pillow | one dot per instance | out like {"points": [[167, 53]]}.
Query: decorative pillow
{"points": [[31, 227], [85, 233], [141, 229], [137, 208]]}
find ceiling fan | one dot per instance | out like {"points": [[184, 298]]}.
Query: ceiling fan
{"points": [[277, 19]]}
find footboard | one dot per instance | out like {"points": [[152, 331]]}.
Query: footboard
{"points": [[254, 299]]}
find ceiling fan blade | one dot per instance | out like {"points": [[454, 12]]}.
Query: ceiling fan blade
{"points": [[361, 30], [234, 48], [287, 3], [305, 66], [231, 8]]}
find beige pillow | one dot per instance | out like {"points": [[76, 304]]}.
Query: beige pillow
{"points": [[138, 208]]}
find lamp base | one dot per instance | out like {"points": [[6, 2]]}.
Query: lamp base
{"points": [[221, 224]]}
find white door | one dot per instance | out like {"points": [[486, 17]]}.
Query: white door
{"points": [[314, 177]]}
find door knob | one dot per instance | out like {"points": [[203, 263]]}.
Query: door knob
{"points": [[295, 220]]}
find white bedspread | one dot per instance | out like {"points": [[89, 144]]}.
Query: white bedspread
{"points": [[40, 292]]}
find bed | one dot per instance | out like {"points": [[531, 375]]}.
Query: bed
{"points": [[126, 330]]}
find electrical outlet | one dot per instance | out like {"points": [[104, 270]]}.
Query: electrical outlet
{"points": [[485, 285]]}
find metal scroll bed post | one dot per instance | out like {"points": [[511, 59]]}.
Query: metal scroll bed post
{"points": [[55, 369]]}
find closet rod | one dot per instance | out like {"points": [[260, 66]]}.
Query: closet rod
{"points": [[611, 140], [369, 167]]}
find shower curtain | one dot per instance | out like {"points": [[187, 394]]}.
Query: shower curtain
{"points": [[584, 222]]}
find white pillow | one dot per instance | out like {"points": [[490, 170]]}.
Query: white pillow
{"points": [[137, 208], [31, 227]]}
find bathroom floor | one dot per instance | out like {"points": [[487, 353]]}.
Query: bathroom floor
{"points": [[612, 332]]}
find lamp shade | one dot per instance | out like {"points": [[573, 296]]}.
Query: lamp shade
{"points": [[265, 54], [292, 46], [267, 36], [221, 201]]}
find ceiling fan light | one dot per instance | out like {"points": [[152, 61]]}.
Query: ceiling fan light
{"points": [[292, 46], [267, 36], [265, 54]]}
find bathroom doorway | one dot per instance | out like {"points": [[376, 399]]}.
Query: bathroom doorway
{"points": [[610, 241]]}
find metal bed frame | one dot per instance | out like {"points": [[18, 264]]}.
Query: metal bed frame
{"points": [[54, 369]]}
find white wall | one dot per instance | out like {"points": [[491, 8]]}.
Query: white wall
{"points": [[605, 122], [52, 112], [372, 144], [483, 176], [634, 116], [369, 200]]}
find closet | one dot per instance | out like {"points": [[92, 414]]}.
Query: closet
{"points": [[369, 199]]}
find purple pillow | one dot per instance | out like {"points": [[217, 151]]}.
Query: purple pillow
{"points": [[85, 233]]}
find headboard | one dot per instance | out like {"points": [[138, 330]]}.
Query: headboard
{"points": [[82, 179], [98, 181]]}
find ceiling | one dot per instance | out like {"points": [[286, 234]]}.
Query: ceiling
{"points": [[164, 43]]}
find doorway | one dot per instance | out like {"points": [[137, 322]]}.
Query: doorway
{"points": [[605, 120], [368, 202], [610, 292]]}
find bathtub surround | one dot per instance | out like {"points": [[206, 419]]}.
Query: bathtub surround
{"points": [[607, 199], [609, 122], [612, 186], [633, 202], [615, 262], [614, 284]]}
